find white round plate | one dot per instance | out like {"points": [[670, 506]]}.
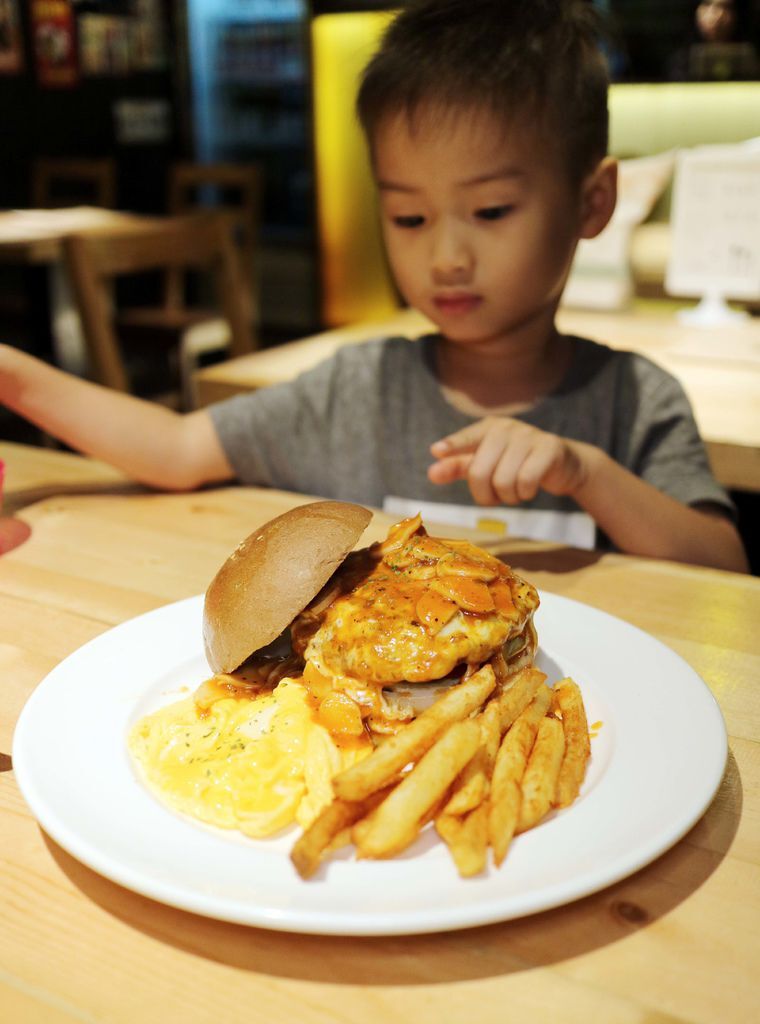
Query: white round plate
{"points": [[657, 760]]}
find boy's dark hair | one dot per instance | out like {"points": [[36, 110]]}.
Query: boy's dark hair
{"points": [[541, 58]]}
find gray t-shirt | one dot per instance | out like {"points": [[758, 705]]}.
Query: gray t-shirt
{"points": [[359, 426]]}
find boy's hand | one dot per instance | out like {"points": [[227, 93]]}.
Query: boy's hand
{"points": [[507, 462]]}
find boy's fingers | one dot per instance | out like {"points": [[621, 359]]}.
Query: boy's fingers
{"points": [[466, 439], [495, 465], [449, 469], [538, 462], [503, 461], [552, 467], [509, 466]]}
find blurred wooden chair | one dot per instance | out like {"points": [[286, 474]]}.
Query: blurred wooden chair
{"points": [[170, 246], [69, 182], [233, 191]]}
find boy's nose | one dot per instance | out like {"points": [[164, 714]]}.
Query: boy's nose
{"points": [[451, 259]]}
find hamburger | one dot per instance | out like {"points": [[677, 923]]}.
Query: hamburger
{"points": [[374, 633]]}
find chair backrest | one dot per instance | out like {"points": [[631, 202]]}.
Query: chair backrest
{"points": [[64, 182], [235, 189], [201, 242], [231, 188]]}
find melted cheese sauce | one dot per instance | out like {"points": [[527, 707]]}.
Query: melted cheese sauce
{"points": [[415, 608]]}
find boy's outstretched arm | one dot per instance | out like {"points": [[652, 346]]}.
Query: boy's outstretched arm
{"points": [[508, 462], [148, 442]]}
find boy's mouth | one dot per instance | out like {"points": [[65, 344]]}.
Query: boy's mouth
{"points": [[456, 304]]}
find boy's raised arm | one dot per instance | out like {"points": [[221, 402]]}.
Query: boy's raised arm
{"points": [[641, 520], [507, 462], [153, 444]]}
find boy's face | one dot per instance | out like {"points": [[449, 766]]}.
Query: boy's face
{"points": [[480, 222]]}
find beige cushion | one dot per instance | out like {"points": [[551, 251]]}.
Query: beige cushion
{"points": [[602, 276]]}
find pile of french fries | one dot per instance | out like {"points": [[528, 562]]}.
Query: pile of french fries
{"points": [[489, 759]]}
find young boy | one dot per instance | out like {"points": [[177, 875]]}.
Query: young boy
{"points": [[487, 127]]}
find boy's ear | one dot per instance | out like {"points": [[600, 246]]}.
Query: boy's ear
{"points": [[598, 197]]}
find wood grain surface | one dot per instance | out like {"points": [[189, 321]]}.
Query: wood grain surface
{"points": [[675, 943]]}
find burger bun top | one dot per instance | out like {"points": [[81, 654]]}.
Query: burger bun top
{"points": [[272, 575]]}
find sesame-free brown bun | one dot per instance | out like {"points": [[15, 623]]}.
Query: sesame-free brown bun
{"points": [[272, 575]]}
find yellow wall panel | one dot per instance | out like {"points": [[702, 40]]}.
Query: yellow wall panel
{"points": [[356, 284]]}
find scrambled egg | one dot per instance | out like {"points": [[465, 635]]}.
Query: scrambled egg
{"points": [[250, 763]]}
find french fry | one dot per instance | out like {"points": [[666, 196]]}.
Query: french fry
{"points": [[511, 760], [466, 838], [471, 786], [567, 699], [472, 850], [449, 827], [363, 826], [343, 838], [395, 823], [517, 696], [506, 796], [314, 841], [537, 708], [490, 730], [481, 779], [411, 742], [540, 779]]}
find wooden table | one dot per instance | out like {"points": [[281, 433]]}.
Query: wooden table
{"points": [[678, 941], [35, 236], [719, 369]]}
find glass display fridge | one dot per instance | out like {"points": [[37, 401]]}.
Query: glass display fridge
{"points": [[248, 99], [248, 64]]}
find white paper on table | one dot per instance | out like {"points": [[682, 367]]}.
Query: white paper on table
{"points": [[576, 529]]}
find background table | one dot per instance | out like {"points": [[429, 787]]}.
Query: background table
{"points": [[33, 239], [677, 942], [35, 236], [718, 368]]}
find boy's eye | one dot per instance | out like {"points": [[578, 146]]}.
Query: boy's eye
{"points": [[493, 212], [413, 221]]}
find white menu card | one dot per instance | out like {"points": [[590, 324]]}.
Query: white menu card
{"points": [[716, 223]]}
